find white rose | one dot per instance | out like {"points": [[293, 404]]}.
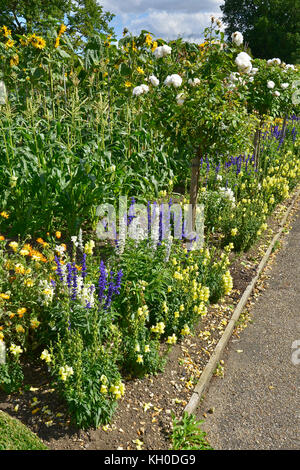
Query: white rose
{"points": [[145, 88], [237, 38], [270, 84], [243, 61], [276, 93], [137, 91], [180, 99], [174, 80], [284, 86], [154, 80]]}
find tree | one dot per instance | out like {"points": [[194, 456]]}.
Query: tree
{"points": [[270, 27], [84, 17]]}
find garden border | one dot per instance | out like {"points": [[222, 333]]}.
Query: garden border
{"points": [[210, 367]]}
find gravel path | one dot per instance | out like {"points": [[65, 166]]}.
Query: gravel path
{"points": [[256, 405]]}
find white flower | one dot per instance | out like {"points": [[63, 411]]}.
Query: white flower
{"points": [[174, 80], [254, 70], [137, 91], [74, 241], [276, 93], [193, 81], [145, 88], [237, 38], [290, 66], [154, 80], [243, 61], [219, 177], [180, 99], [284, 86], [229, 194], [234, 77], [270, 84], [162, 51], [274, 61]]}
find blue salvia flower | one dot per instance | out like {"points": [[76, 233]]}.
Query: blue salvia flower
{"points": [[69, 276], [102, 282], [118, 282], [59, 270], [110, 291], [74, 285]]}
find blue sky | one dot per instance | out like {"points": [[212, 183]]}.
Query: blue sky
{"points": [[163, 18]]}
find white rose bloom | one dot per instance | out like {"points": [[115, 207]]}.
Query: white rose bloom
{"points": [[284, 86], [243, 61], [145, 88], [274, 61], [162, 51], [270, 84], [174, 80], [237, 38], [180, 99], [276, 93], [154, 80], [137, 91], [166, 50], [193, 81], [290, 66]]}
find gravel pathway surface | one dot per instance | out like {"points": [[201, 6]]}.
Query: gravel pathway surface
{"points": [[256, 405]]}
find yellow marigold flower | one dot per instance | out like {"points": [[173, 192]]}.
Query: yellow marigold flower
{"points": [[140, 70], [2, 238], [22, 310], [34, 323], [57, 41], [5, 296], [128, 84], [58, 234], [4, 214]]}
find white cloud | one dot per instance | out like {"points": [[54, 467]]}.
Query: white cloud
{"points": [[141, 6], [168, 19], [172, 25]]}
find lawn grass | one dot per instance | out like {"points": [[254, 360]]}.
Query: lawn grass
{"points": [[15, 436]]}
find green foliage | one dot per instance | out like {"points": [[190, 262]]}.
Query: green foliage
{"points": [[187, 434], [11, 376], [271, 29]]}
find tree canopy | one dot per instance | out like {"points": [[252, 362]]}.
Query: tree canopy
{"points": [[270, 27], [82, 16]]}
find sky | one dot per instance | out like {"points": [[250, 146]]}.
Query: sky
{"points": [[163, 18]]}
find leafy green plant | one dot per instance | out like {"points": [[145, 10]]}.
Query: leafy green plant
{"points": [[187, 434]]}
